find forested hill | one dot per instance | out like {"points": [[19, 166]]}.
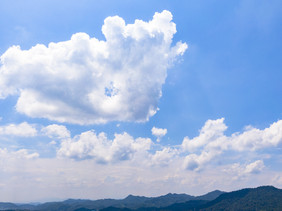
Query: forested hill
{"points": [[261, 198], [131, 202]]}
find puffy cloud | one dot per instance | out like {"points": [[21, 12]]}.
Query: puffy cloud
{"points": [[241, 171], [191, 162], [196, 162], [255, 139], [23, 129], [194, 154], [56, 131], [255, 167], [212, 142], [159, 132], [86, 80], [212, 131], [98, 147], [164, 157]]}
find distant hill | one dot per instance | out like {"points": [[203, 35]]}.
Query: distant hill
{"points": [[261, 198], [130, 202]]}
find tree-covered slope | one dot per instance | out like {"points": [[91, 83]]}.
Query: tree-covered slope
{"points": [[261, 198]]}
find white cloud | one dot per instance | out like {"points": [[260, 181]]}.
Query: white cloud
{"points": [[98, 147], [164, 157], [191, 162], [211, 132], [255, 167], [240, 171], [23, 153], [159, 132], [194, 154], [197, 161], [212, 142], [255, 139], [20, 154], [56, 131], [86, 81], [23, 129]]}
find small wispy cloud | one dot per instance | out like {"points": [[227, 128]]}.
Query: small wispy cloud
{"points": [[159, 132]]}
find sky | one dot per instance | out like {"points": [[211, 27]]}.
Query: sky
{"points": [[102, 99]]}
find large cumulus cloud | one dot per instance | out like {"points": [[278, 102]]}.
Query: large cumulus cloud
{"points": [[90, 145], [89, 81]]}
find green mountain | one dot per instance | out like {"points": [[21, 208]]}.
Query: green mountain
{"points": [[130, 202], [262, 198]]}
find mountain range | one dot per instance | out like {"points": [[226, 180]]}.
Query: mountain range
{"points": [[261, 198]]}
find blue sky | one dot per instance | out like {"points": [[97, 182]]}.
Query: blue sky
{"points": [[190, 93]]}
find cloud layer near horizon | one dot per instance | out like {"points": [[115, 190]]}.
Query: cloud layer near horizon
{"points": [[129, 162], [193, 154], [86, 80]]}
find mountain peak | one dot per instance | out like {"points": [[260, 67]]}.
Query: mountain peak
{"points": [[130, 196]]}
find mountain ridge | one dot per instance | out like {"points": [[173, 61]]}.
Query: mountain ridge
{"points": [[260, 198], [131, 202]]}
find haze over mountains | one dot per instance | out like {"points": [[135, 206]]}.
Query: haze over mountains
{"points": [[261, 198]]}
